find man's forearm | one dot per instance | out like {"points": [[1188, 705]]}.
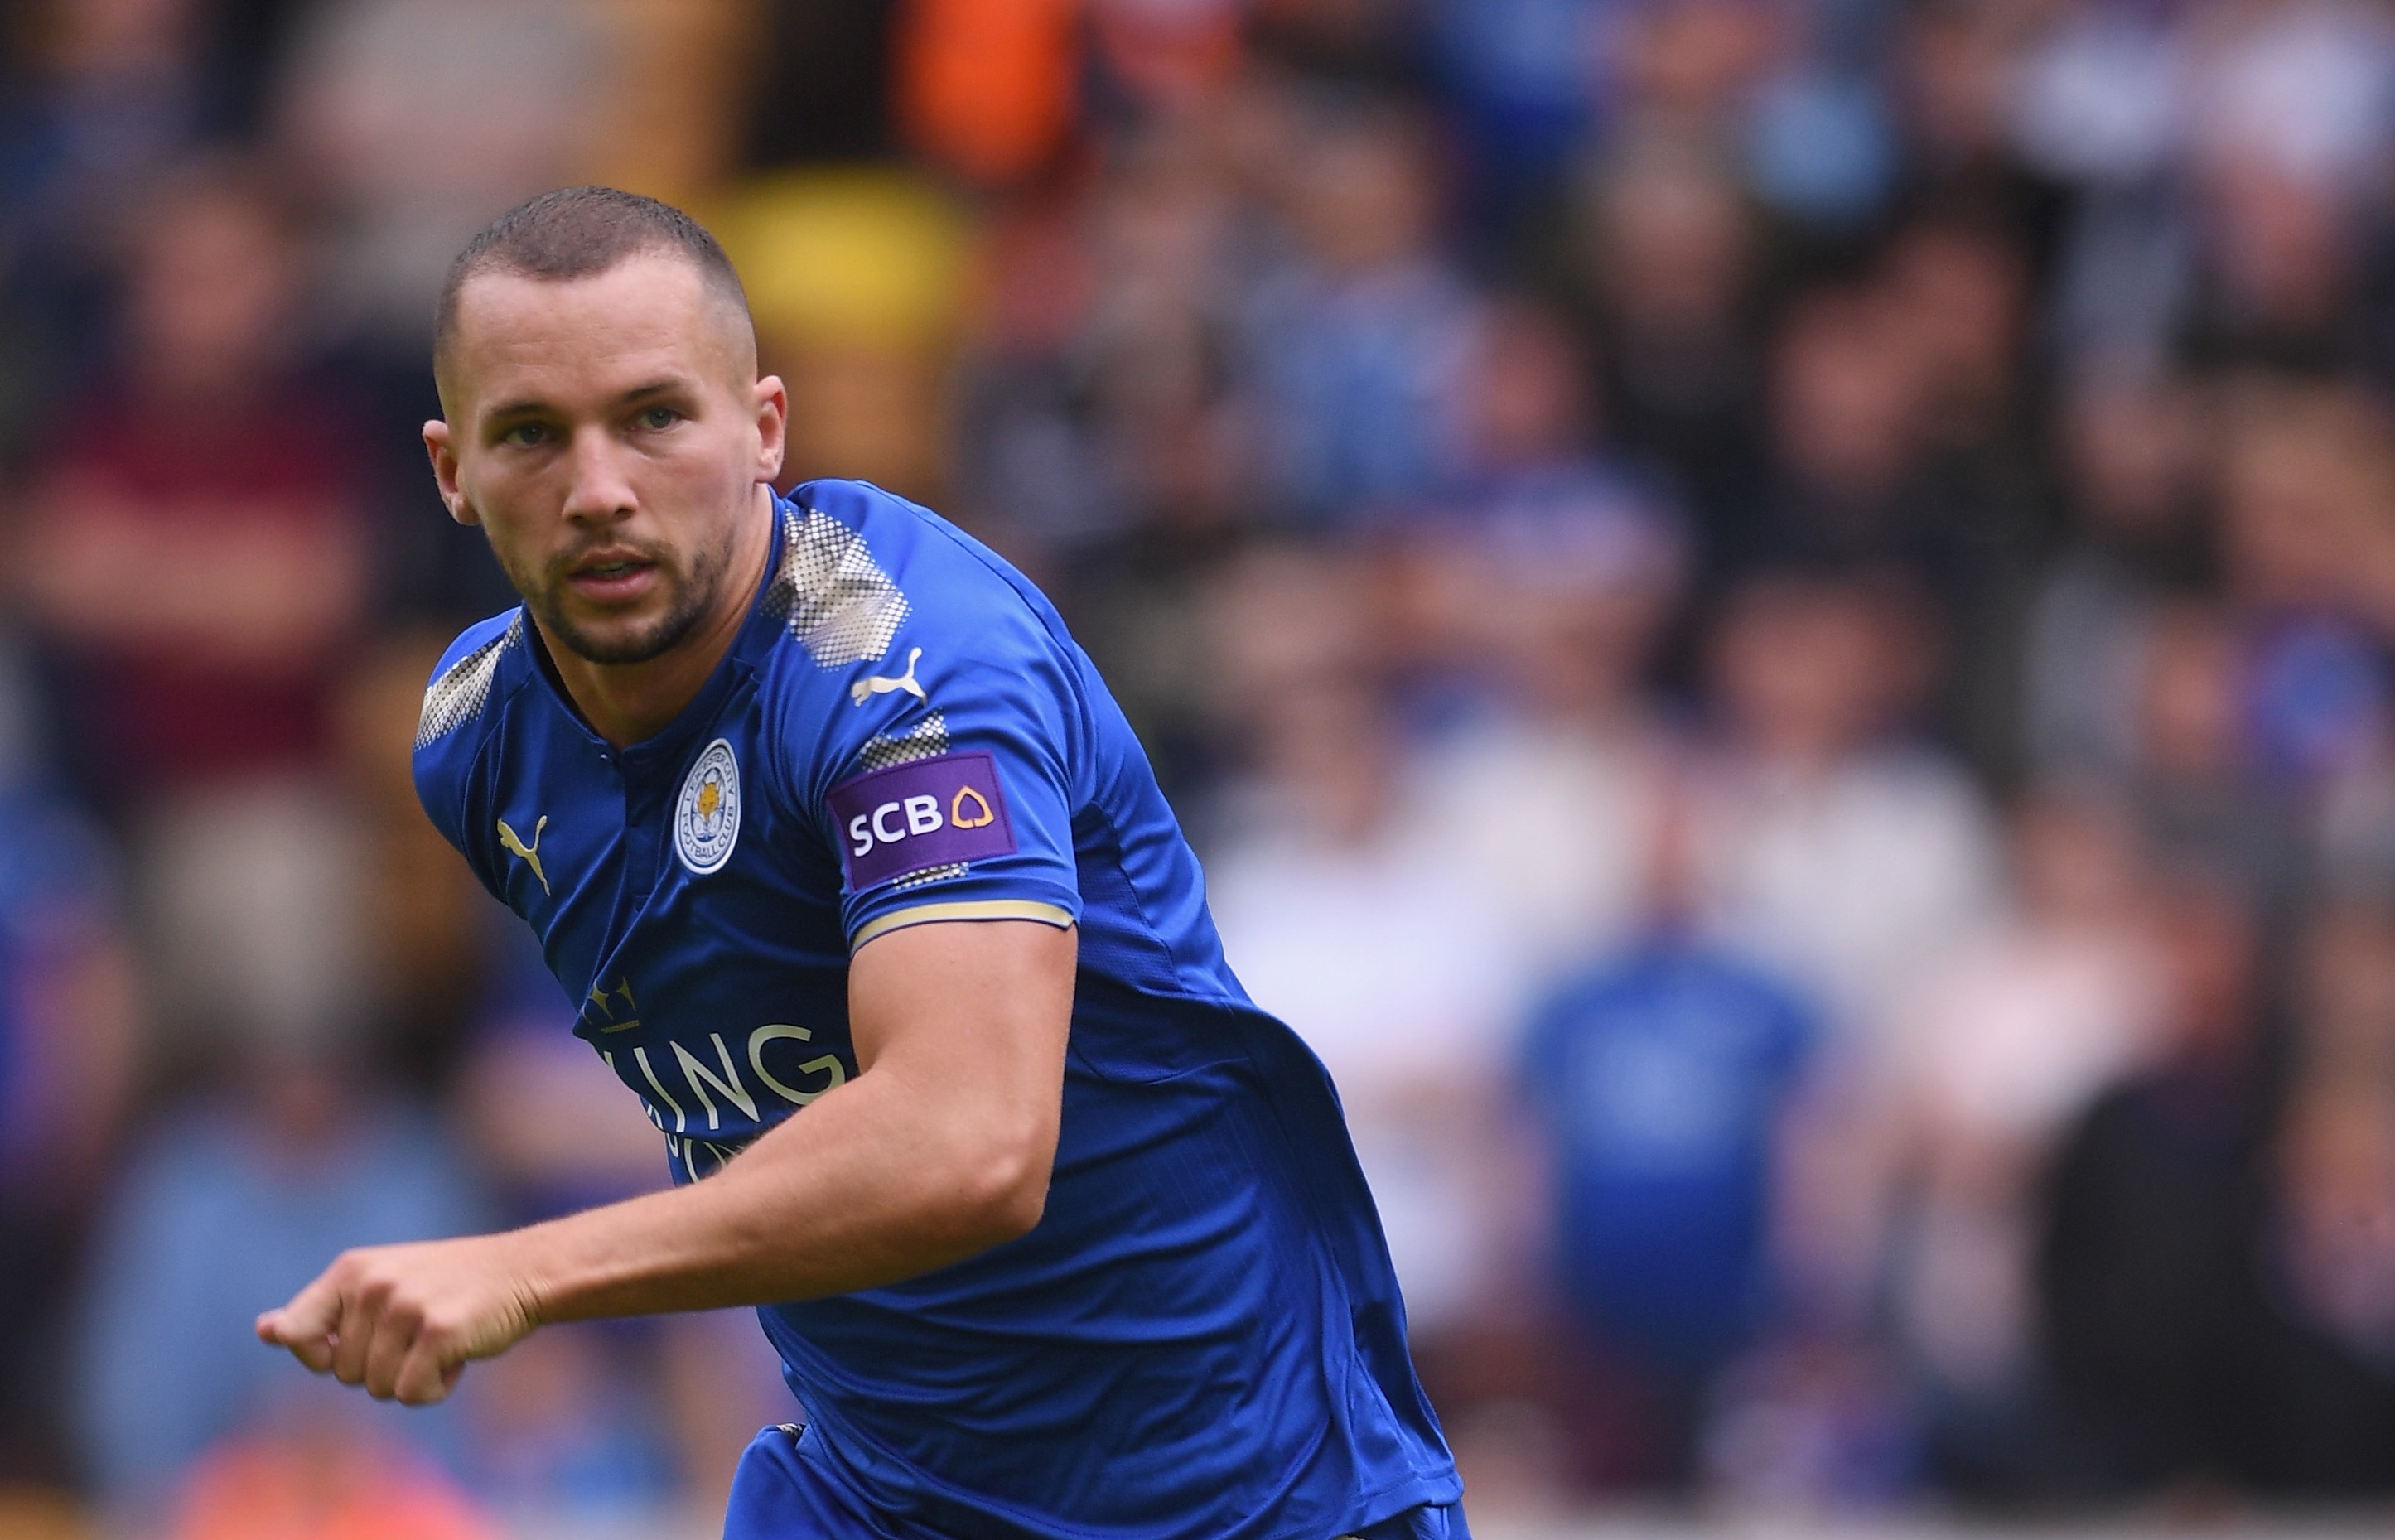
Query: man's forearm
{"points": [[939, 1148], [863, 1188]]}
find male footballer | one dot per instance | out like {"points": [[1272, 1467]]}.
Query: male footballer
{"points": [[817, 809]]}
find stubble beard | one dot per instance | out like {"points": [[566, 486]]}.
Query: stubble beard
{"points": [[692, 597]]}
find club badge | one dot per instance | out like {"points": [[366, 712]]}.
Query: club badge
{"points": [[707, 821]]}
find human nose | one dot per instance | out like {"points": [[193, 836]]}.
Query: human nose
{"points": [[598, 491]]}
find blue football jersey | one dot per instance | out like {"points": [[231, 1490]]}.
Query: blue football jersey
{"points": [[1202, 1337]]}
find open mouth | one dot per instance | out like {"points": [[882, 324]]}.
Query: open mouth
{"points": [[616, 577]]}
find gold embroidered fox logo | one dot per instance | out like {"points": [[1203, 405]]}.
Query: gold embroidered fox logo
{"points": [[510, 841], [874, 684]]}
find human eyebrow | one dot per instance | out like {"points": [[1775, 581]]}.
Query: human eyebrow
{"points": [[638, 393], [514, 409]]}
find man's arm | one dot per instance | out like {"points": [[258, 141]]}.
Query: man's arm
{"points": [[939, 1149]]}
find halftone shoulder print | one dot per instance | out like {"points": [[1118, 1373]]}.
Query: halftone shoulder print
{"points": [[458, 696], [837, 601]]}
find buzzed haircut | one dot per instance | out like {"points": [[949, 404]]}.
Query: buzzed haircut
{"points": [[576, 232]]}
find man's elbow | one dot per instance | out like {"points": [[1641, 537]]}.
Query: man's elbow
{"points": [[1005, 1191]]}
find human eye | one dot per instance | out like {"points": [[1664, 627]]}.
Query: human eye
{"points": [[525, 436], [658, 417]]}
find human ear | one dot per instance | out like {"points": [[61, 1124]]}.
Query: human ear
{"points": [[773, 404], [443, 454]]}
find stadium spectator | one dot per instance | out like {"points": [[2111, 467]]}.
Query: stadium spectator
{"points": [[2280, 277], [1953, 77], [1834, 847], [207, 463], [1665, 1077], [2196, 783], [414, 118], [2136, 535], [565, 1433], [2306, 484], [1359, 341], [1661, 270], [195, 553], [2155, 1327], [988, 90], [1516, 73], [1960, 288], [1848, 402], [1687, 70], [1097, 392], [2306, 90], [2036, 1013], [106, 95], [227, 1204], [2331, 1254]]}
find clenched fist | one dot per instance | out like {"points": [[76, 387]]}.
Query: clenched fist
{"points": [[403, 1321]]}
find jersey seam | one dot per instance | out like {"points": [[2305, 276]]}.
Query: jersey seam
{"points": [[502, 702], [987, 561], [1139, 901], [477, 768]]}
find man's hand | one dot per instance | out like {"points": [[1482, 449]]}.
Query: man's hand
{"points": [[403, 1321]]}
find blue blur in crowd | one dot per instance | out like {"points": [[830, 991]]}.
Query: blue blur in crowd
{"points": [[1519, 73], [2316, 699], [1662, 1076], [219, 1218], [1359, 374]]}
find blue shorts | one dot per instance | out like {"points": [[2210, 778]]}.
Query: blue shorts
{"points": [[779, 1492]]}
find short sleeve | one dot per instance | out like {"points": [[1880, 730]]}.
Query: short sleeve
{"points": [[953, 799], [447, 735]]}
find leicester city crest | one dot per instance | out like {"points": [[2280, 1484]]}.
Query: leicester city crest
{"points": [[707, 821]]}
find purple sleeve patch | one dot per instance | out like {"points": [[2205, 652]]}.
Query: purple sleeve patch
{"points": [[910, 817]]}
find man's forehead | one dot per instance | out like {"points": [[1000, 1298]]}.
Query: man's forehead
{"points": [[647, 317]]}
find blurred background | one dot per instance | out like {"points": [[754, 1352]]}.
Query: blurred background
{"points": [[1775, 619]]}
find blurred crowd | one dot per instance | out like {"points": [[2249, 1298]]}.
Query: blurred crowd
{"points": [[1775, 619]]}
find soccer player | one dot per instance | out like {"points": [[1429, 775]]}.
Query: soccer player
{"points": [[861, 882]]}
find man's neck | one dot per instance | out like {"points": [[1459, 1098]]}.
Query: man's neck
{"points": [[626, 702]]}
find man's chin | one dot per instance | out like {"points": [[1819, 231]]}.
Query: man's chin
{"points": [[616, 640]]}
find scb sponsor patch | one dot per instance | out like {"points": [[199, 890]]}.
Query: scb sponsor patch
{"points": [[929, 812]]}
